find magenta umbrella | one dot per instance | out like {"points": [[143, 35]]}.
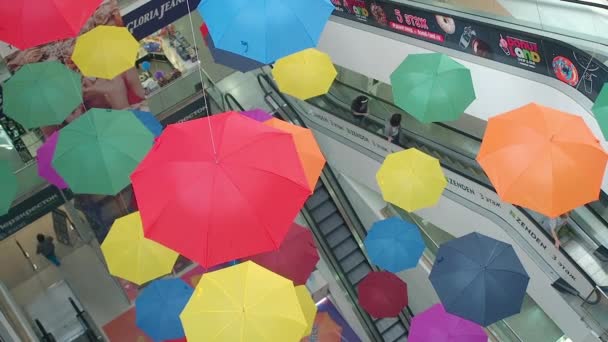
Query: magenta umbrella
{"points": [[257, 114], [436, 325], [44, 156]]}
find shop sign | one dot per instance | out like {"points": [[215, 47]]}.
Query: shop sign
{"points": [[520, 49], [193, 110], [31, 209], [156, 14], [473, 192]]}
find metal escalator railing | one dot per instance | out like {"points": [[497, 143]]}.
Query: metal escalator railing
{"points": [[338, 234]]}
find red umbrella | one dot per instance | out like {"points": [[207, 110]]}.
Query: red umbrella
{"points": [[295, 259], [27, 23], [382, 294], [213, 207]]}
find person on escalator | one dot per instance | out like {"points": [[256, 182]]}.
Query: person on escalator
{"points": [[554, 224], [392, 129], [359, 109]]}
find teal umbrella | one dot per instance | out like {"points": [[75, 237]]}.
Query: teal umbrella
{"points": [[600, 110], [42, 94], [8, 184], [432, 87], [97, 152]]}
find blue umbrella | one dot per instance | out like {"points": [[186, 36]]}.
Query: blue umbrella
{"points": [[265, 30], [479, 279], [158, 306], [394, 244], [150, 121], [231, 60]]}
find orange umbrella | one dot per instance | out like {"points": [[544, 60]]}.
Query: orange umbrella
{"points": [[308, 150], [543, 159]]}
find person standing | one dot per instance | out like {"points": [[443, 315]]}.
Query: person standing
{"points": [[46, 247], [359, 109], [553, 225], [392, 129]]}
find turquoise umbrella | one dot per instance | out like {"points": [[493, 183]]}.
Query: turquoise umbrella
{"points": [[8, 184], [600, 110], [42, 94], [97, 152], [432, 87]]}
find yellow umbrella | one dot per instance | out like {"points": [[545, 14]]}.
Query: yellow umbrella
{"points": [[411, 179], [105, 52], [133, 257], [304, 74], [308, 307], [245, 302]]}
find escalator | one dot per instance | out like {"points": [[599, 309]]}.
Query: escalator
{"points": [[339, 234]]}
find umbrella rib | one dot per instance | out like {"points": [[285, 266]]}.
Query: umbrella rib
{"points": [[245, 145], [232, 20]]}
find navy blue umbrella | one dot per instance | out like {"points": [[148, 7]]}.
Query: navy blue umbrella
{"points": [[479, 279], [231, 60]]}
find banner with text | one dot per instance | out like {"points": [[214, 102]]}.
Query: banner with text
{"points": [[156, 14]]}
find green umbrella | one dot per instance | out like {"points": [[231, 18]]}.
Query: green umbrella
{"points": [[432, 87], [8, 186], [97, 152], [600, 110], [42, 94]]}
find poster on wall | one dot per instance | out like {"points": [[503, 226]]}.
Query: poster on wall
{"points": [[357, 9]]}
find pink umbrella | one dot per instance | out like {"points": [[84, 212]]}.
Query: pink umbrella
{"points": [[257, 114], [436, 325], [44, 156]]}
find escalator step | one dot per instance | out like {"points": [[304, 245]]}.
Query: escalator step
{"points": [[319, 185], [338, 235], [402, 338], [394, 332], [358, 273], [345, 248], [384, 324], [352, 261], [317, 198], [323, 211], [331, 223]]}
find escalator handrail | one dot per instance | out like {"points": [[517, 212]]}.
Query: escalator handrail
{"points": [[230, 99]]}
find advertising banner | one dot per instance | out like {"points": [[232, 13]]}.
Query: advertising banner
{"points": [[156, 14], [193, 110]]}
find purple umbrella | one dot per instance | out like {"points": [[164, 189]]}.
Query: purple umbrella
{"points": [[44, 156], [436, 325], [257, 114]]}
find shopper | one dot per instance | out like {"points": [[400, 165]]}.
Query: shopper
{"points": [[359, 109], [392, 129], [553, 225], [46, 247]]}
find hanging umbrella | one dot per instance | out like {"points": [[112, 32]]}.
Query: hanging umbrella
{"points": [[265, 30], [382, 294], [44, 158], [245, 302], [436, 325], [105, 52], [230, 59], [27, 23], [257, 114], [97, 152], [222, 206], [542, 159], [305, 74], [158, 306], [42, 94], [432, 87], [600, 110], [8, 184], [394, 244], [149, 120], [296, 259], [309, 309], [411, 180], [309, 152], [479, 278], [325, 329], [131, 256]]}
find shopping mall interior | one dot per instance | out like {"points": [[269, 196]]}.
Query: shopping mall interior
{"points": [[304, 170]]}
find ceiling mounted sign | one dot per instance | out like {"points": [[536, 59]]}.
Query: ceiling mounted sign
{"points": [[154, 15]]}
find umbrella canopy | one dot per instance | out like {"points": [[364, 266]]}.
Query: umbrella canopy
{"points": [[325, 329], [97, 152], [230, 59], [44, 158], [296, 259], [310, 154], [26, 23], [158, 306], [436, 325], [265, 30], [382, 294], [257, 114], [432, 87], [305, 74], [131, 256], [600, 110], [394, 244], [479, 278], [309, 309], [245, 302], [8, 184], [411, 179], [42, 94], [105, 52], [542, 159], [243, 205], [149, 120]]}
